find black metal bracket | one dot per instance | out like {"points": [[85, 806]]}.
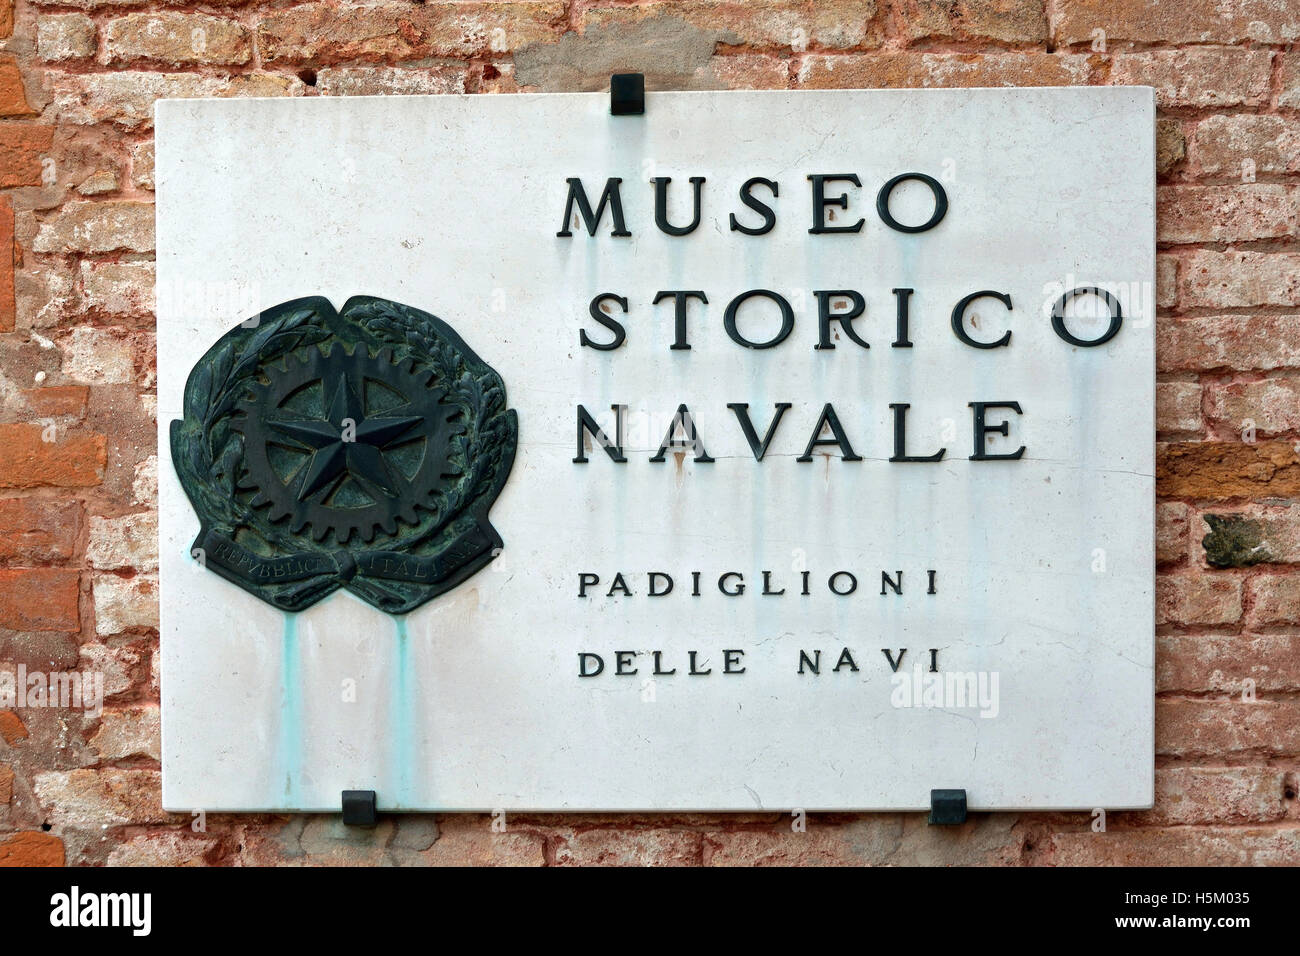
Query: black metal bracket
{"points": [[627, 94], [359, 808], [947, 807]]}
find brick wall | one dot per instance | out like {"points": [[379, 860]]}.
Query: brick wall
{"points": [[78, 465]]}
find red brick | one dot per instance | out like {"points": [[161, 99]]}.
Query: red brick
{"points": [[458, 840], [1245, 145], [8, 307], [1179, 846], [22, 146], [1171, 145], [1186, 21], [1166, 281], [871, 839], [123, 665], [64, 37], [124, 604], [108, 226], [1276, 599], [142, 165], [128, 732], [1172, 523], [39, 599], [751, 71], [1222, 663], [126, 98], [390, 81], [1273, 406], [1206, 795], [1010, 21], [6, 784], [13, 96], [12, 728], [1178, 407], [763, 24], [1217, 728], [1197, 599], [888, 70], [31, 848], [1237, 213], [95, 798], [1198, 77], [166, 848], [1239, 279], [1224, 470], [6, 18], [603, 847], [127, 541], [96, 355], [73, 460], [1289, 98], [327, 33], [38, 529], [819, 846], [175, 38], [1242, 342], [56, 401]]}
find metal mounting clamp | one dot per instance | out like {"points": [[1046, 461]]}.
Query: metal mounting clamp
{"points": [[947, 807], [359, 808], [627, 94]]}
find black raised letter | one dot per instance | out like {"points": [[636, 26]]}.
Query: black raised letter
{"points": [[691, 442], [661, 206], [825, 316], [762, 208], [820, 202], [900, 437], [588, 424], [1112, 303], [829, 418], [660, 574], [901, 341], [787, 319], [982, 429], [742, 414], [609, 322], [680, 298], [959, 315], [610, 197], [940, 202]]}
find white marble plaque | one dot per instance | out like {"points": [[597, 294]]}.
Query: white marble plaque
{"points": [[969, 622]]}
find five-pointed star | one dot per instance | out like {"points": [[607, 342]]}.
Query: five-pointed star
{"points": [[334, 451]]}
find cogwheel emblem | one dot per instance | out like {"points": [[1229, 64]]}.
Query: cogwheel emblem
{"points": [[360, 448], [346, 444]]}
